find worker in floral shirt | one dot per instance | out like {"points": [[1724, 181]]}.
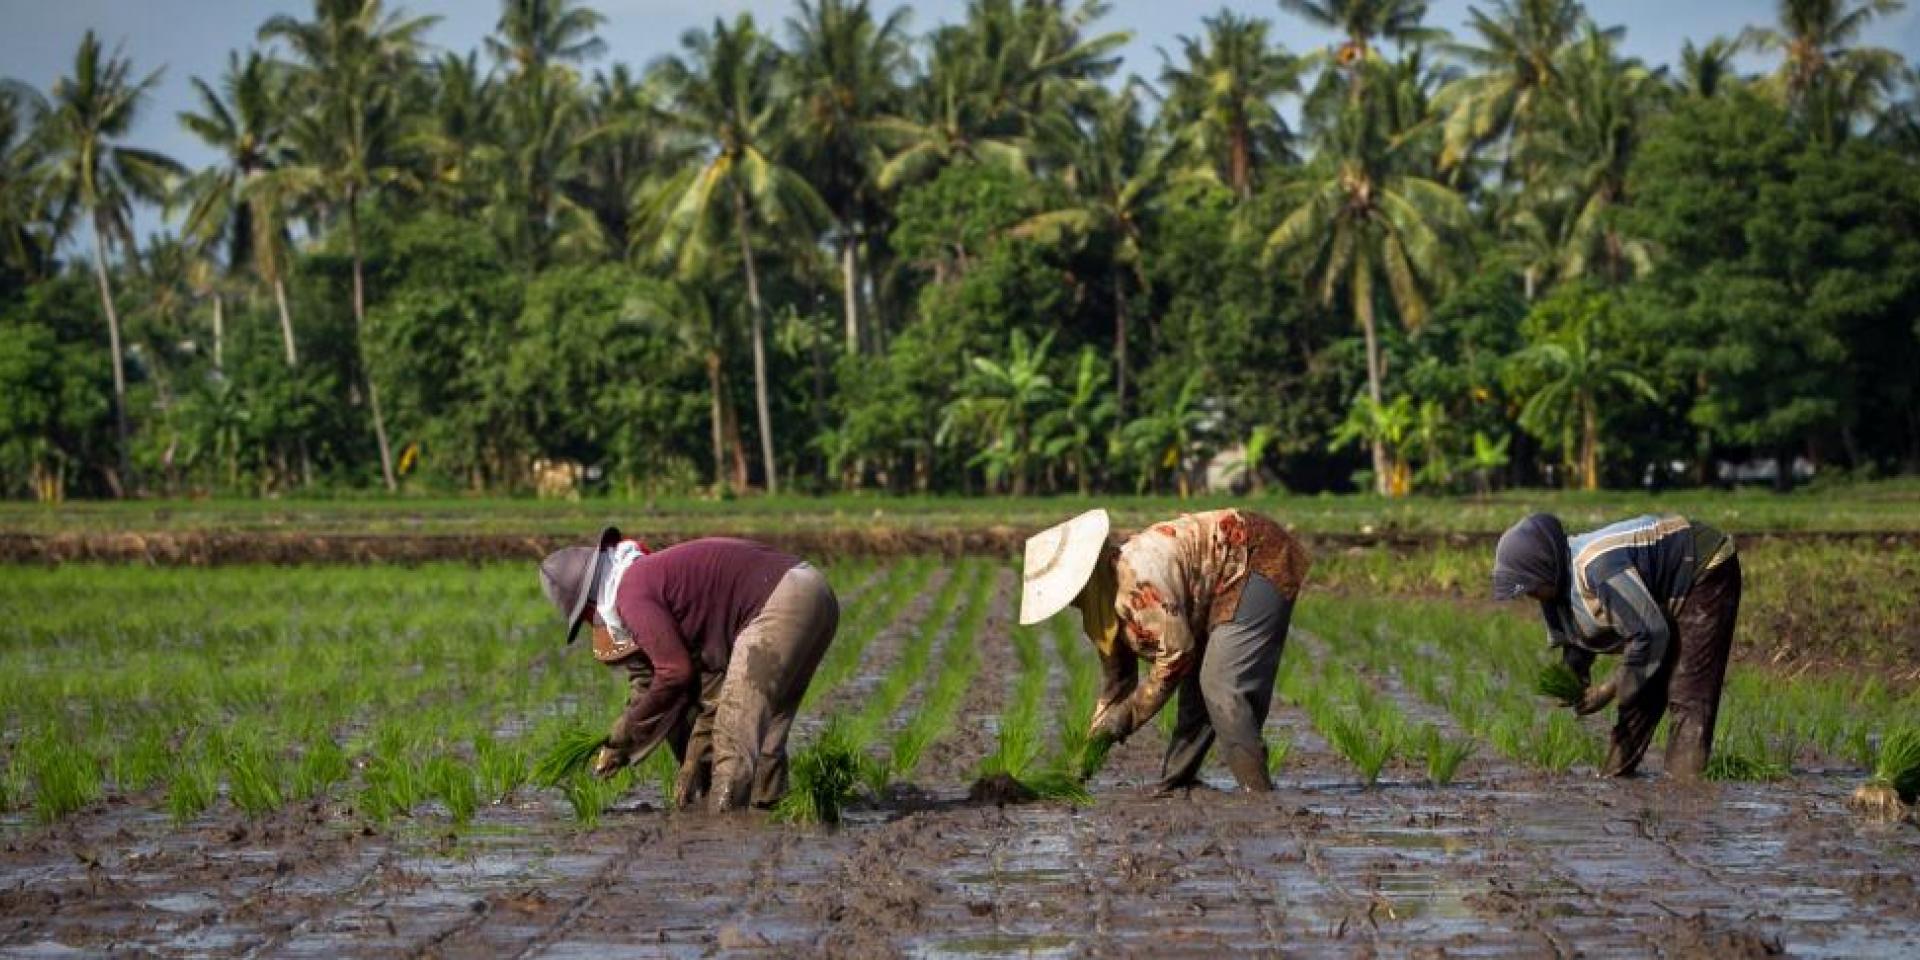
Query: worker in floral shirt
{"points": [[1205, 599]]}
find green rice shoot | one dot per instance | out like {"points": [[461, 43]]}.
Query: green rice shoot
{"points": [[571, 754], [1558, 681], [1898, 764]]}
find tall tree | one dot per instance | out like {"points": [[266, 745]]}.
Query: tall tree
{"points": [[1361, 22], [244, 122], [1116, 171], [25, 245], [96, 172], [1573, 373], [1823, 74], [1706, 70], [1222, 99], [534, 33], [1514, 73], [724, 95], [352, 57], [1366, 209], [847, 65]]}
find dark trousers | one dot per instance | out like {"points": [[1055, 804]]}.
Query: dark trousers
{"points": [[1229, 695], [1688, 683]]}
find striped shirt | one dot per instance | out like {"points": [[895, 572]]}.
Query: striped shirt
{"points": [[1628, 580]]}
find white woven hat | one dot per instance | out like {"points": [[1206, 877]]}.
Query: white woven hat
{"points": [[1059, 561]]}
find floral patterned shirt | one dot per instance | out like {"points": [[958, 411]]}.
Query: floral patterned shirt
{"points": [[1176, 581]]}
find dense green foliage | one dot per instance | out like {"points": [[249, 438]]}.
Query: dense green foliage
{"points": [[983, 257]]}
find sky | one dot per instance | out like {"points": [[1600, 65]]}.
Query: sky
{"points": [[190, 38]]}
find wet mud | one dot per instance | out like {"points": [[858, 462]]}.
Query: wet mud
{"points": [[1505, 862]]}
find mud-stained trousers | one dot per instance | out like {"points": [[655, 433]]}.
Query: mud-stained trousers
{"points": [[1229, 695], [773, 661], [1688, 683]]}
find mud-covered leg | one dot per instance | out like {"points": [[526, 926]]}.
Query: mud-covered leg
{"points": [[1633, 729], [1237, 676], [1191, 739], [1706, 623]]}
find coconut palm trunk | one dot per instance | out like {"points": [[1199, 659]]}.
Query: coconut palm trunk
{"points": [[219, 330], [286, 322], [1363, 308], [1589, 445], [850, 283], [718, 415], [125, 477], [360, 336], [759, 346]]}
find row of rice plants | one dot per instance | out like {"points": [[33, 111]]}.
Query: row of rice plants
{"points": [[387, 690], [941, 696], [882, 604], [1481, 671]]}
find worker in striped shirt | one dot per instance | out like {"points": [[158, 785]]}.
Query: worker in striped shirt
{"points": [[1662, 592]]}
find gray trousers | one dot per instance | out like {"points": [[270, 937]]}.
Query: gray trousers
{"points": [[1231, 692], [773, 661]]}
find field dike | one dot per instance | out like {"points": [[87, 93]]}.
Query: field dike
{"points": [[1508, 858]]}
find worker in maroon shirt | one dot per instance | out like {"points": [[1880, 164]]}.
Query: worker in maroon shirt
{"points": [[719, 638]]}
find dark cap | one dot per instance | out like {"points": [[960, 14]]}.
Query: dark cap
{"points": [[1531, 554], [566, 576]]}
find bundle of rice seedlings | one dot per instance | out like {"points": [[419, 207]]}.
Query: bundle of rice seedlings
{"points": [[1895, 783], [1059, 785], [1093, 756], [1278, 748], [1557, 680], [572, 752], [1367, 748], [823, 778], [1444, 756]]}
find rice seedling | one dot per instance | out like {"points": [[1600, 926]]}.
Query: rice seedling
{"points": [[1367, 748], [1558, 681], [1443, 756], [571, 753], [191, 788], [503, 767], [663, 772], [589, 796], [1895, 784], [322, 765], [13, 786], [823, 778], [252, 776], [65, 777], [452, 783], [143, 762], [1278, 748]]}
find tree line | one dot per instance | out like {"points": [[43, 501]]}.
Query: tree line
{"points": [[837, 253]]}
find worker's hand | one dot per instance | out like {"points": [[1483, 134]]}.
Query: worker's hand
{"points": [[608, 761], [1596, 698], [1113, 724]]}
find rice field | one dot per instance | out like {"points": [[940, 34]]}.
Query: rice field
{"points": [[351, 760]]}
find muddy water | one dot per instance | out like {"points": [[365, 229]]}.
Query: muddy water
{"points": [[1505, 863]]}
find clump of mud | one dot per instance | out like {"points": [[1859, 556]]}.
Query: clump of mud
{"points": [[1700, 937], [1000, 790]]}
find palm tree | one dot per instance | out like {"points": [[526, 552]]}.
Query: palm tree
{"points": [[455, 132], [999, 406], [352, 56], [1832, 81], [846, 65], [1706, 70], [1383, 426], [1365, 209], [530, 170], [1167, 436], [25, 246], [94, 171], [1075, 429], [685, 312], [534, 33], [1115, 170], [1584, 155], [723, 95], [1514, 72], [1570, 375], [1222, 99], [1361, 22], [243, 122]]}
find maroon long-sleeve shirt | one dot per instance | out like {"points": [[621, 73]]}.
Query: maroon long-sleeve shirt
{"points": [[684, 607]]}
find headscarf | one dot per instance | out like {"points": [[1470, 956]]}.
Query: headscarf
{"points": [[1532, 553]]}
